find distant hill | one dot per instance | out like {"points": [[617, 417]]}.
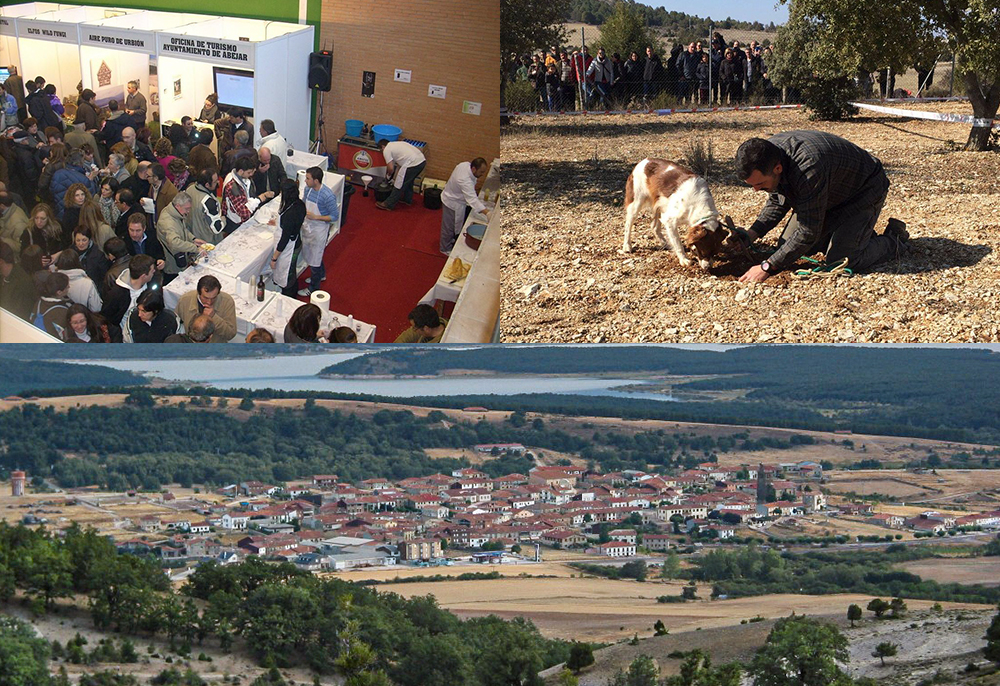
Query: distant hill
{"points": [[674, 23], [954, 393], [34, 351], [16, 377]]}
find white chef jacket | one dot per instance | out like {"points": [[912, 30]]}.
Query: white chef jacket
{"points": [[461, 189], [405, 155]]}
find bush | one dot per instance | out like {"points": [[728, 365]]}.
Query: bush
{"points": [[520, 96], [699, 158]]}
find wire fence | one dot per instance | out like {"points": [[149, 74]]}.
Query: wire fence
{"points": [[727, 68]]}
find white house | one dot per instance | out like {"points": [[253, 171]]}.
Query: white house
{"points": [[616, 549], [234, 520]]}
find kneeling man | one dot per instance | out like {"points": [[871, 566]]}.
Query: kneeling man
{"points": [[834, 189]]}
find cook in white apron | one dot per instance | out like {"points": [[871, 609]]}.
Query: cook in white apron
{"points": [[283, 264], [314, 236]]}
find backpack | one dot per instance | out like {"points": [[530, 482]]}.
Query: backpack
{"points": [[39, 319]]}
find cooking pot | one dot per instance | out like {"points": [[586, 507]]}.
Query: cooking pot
{"points": [[474, 235], [432, 198], [382, 191]]}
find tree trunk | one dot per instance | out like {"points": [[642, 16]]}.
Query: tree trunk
{"points": [[984, 106]]}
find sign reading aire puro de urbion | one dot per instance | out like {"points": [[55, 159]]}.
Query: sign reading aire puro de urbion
{"points": [[128, 40], [214, 50]]}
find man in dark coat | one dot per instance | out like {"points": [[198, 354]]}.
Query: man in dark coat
{"points": [[687, 72], [835, 190], [27, 167], [40, 107], [270, 172], [114, 125], [651, 74], [128, 204]]}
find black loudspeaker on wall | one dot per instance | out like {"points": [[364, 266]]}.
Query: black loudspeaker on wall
{"points": [[320, 68]]}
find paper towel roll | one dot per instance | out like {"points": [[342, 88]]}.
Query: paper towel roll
{"points": [[300, 178], [321, 299]]}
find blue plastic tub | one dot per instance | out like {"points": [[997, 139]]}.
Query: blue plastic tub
{"points": [[386, 131], [354, 127]]}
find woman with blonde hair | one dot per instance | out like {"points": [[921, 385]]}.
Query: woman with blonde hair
{"points": [[126, 152], [45, 232], [92, 217]]}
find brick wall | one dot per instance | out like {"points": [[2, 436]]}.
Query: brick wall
{"points": [[451, 43]]}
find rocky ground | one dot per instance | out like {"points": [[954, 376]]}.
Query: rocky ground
{"points": [[930, 644], [564, 280]]}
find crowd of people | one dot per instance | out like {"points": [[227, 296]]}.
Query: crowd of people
{"points": [[724, 73], [98, 212]]}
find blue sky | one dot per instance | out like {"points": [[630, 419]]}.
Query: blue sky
{"points": [[744, 10]]}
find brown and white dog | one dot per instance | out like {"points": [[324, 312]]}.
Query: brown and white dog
{"points": [[678, 198]]}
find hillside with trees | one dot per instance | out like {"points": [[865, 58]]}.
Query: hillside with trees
{"points": [[921, 392], [672, 22], [17, 376], [144, 445], [280, 615]]}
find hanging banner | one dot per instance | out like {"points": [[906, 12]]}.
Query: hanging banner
{"points": [[128, 40], [48, 31], [214, 50], [7, 27]]}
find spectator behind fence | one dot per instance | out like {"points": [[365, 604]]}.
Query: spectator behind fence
{"points": [[652, 73], [601, 76]]}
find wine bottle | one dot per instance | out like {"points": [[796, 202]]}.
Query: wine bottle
{"points": [[260, 288]]}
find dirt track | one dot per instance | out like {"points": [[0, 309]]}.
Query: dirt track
{"points": [[565, 281]]}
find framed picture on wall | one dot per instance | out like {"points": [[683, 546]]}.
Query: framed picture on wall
{"points": [[368, 84]]}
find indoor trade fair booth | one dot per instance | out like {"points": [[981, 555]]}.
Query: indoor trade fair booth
{"points": [[220, 55], [184, 57], [116, 50], [9, 54], [49, 44]]}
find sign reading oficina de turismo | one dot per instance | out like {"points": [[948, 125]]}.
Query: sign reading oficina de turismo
{"points": [[47, 30], [217, 51], [119, 39]]}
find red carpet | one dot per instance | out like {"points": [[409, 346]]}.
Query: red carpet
{"points": [[381, 263]]}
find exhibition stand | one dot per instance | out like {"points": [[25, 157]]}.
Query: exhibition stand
{"points": [[194, 55], [116, 50], [220, 55], [49, 44], [10, 56]]}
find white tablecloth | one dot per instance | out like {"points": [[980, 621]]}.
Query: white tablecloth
{"points": [[444, 288], [247, 251], [246, 308], [270, 319], [300, 160]]}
